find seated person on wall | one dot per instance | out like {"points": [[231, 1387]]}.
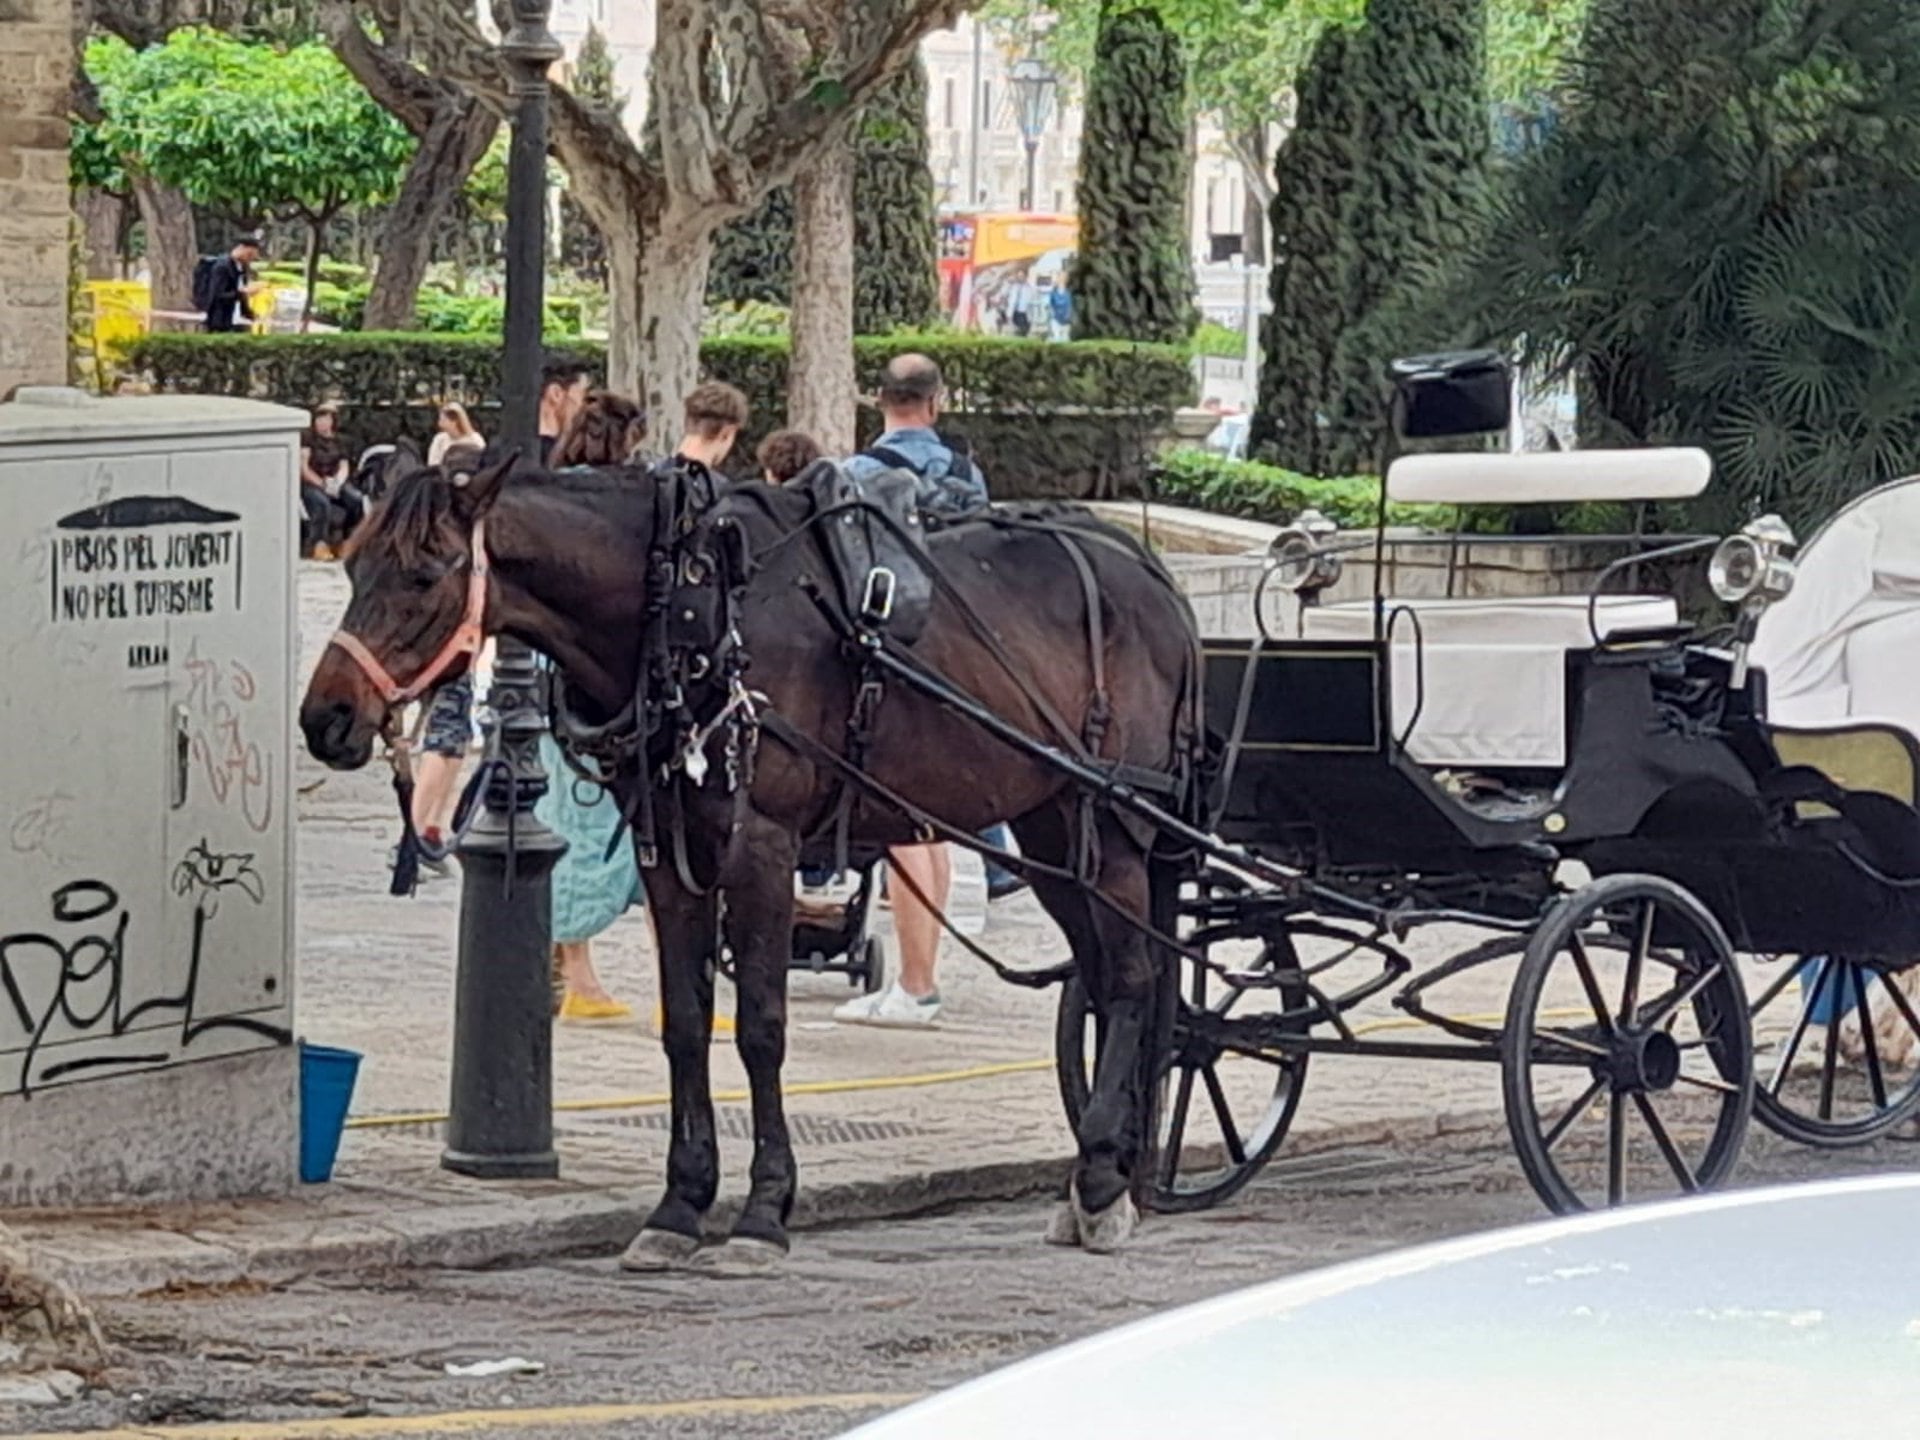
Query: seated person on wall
{"points": [[333, 507]]}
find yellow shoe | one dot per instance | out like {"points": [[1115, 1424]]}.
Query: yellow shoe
{"points": [[722, 1024], [578, 1010]]}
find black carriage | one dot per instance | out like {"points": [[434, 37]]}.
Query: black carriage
{"points": [[1708, 895]]}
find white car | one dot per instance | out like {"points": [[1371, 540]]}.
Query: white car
{"points": [[1761, 1315]]}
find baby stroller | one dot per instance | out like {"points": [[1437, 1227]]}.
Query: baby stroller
{"points": [[833, 929]]}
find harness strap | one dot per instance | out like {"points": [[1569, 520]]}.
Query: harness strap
{"points": [[1024, 866]]}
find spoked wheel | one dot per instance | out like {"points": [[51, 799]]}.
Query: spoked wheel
{"points": [[1223, 1106], [1628, 1060], [1838, 1051]]}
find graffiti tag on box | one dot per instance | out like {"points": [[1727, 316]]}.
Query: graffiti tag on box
{"points": [[143, 557]]}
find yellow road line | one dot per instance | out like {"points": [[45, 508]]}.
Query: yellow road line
{"points": [[480, 1422]]}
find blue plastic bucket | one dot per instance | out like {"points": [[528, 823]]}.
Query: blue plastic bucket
{"points": [[326, 1093], [1831, 994]]}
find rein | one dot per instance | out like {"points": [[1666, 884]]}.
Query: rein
{"points": [[466, 639]]}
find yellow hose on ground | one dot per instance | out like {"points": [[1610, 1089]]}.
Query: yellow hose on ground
{"points": [[876, 1082]]}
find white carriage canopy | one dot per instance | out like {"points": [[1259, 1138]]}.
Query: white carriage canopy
{"points": [[1846, 642]]}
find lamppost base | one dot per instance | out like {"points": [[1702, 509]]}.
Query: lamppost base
{"points": [[540, 1165]]}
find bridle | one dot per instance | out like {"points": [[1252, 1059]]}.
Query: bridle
{"points": [[465, 640]]}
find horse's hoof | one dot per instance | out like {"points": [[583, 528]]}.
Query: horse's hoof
{"points": [[1106, 1232], [655, 1251], [742, 1258], [1063, 1226]]}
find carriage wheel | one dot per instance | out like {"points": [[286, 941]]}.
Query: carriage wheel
{"points": [[1220, 1112], [1839, 1052], [1627, 1061]]}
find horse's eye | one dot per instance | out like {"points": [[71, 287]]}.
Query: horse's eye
{"points": [[423, 581]]}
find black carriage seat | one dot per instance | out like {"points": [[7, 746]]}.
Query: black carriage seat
{"points": [[1481, 684], [874, 542]]}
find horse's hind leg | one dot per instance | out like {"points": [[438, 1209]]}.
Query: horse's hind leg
{"points": [[1116, 967], [688, 939], [760, 935]]}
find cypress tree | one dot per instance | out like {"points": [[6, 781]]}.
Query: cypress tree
{"points": [[1132, 278], [1380, 182], [896, 285]]}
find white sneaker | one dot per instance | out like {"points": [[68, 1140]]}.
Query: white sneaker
{"points": [[891, 1009]]}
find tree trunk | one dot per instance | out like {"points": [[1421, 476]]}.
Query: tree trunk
{"points": [[172, 249], [447, 153], [100, 218], [821, 386], [316, 229], [659, 357]]}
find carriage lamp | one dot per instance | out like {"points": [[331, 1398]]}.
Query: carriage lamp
{"points": [[1752, 569], [1301, 562]]}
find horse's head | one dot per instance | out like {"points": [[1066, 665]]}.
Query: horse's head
{"points": [[417, 612]]}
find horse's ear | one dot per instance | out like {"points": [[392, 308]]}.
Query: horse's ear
{"points": [[475, 491]]}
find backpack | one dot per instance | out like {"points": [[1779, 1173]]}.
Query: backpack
{"points": [[949, 485], [203, 282]]}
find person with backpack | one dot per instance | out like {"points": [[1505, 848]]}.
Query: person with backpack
{"points": [[951, 485], [223, 286]]}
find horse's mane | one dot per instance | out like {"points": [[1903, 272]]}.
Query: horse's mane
{"points": [[421, 501], [407, 517]]}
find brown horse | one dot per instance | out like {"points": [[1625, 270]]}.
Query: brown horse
{"points": [[563, 566]]}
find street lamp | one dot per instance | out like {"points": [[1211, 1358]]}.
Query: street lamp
{"points": [[1033, 91], [500, 1119]]}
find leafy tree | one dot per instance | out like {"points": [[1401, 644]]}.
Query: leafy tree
{"points": [[1717, 242], [741, 99], [1381, 177], [894, 217], [1132, 278], [249, 130]]}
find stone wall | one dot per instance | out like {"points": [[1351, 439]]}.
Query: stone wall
{"points": [[36, 75], [1218, 561]]}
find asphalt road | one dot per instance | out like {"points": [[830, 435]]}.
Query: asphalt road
{"points": [[882, 1311]]}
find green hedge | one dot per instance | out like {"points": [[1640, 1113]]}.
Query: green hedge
{"points": [[1253, 491], [441, 313], [1257, 491], [1044, 419]]}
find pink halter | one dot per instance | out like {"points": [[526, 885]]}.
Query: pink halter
{"points": [[466, 640]]}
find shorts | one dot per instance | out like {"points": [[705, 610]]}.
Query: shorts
{"points": [[450, 719]]}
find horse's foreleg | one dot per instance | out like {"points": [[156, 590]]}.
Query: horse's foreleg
{"points": [[688, 941], [760, 935]]}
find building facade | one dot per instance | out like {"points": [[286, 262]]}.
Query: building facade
{"points": [[36, 79]]}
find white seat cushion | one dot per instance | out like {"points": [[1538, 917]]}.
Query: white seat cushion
{"points": [[1494, 670]]}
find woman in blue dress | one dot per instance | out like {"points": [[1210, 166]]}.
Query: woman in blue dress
{"points": [[591, 888]]}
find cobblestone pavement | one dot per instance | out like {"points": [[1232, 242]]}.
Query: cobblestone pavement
{"points": [[889, 1308]]}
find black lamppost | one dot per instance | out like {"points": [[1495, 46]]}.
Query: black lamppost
{"points": [[500, 1121], [1033, 90]]}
